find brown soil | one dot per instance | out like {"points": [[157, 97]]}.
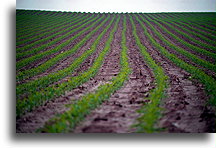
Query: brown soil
{"points": [[175, 42], [27, 25], [44, 59], [184, 38], [203, 25], [185, 107], [47, 22], [50, 47], [41, 38], [187, 60], [36, 119], [185, 104], [36, 33], [193, 36], [117, 114], [207, 36], [64, 63]]}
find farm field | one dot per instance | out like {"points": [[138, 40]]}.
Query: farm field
{"points": [[115, 72]]}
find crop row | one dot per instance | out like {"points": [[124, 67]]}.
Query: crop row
{"points": [[150, 113], [62, 34], [181, 50], [35, 22], [190, 33], [48, 22], [21, 19], [43, 67], [78, 110], [208, 82], [54, 27], [31, 59], [191, 39], [179, 20], [39, 97], [31, 31], [36, 92], [46, 80]]}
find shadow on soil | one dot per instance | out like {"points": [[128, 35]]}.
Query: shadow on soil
{"points": [[74, 137]]}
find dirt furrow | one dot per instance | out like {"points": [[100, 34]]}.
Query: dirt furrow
{"points": [[207, 27], [207, 36], [56, 44], [88, 62], [185, 38], [64, 63], [37, 118], [173, 41], [42, 27], [117, 114], [209, 72], [36, 34], [185, 109], [44, 59]]}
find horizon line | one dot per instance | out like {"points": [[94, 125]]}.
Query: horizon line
{"points": [[116, 12]]}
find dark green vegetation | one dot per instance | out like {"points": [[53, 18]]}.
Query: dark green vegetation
{"points": [[59, 52]]}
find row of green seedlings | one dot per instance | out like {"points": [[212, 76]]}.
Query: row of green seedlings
{"points": [[35, 22], [205, 36], [43, 67], [195, 27], [51, 21], [188, 36], [151, 112], [67, 121], [191, 46], [210, 33], [207, 26], [35, 85], [203, 18], [195, 18], [204, 24], [55, 28], [38, 98], [20, 49], [187, 54], [205, 42], [30, 18], [57, 25], [63, 34], [21, 19], [22, 12], [208, 82], [190, 26], [28, 32], [31, 45], [38, 56]]}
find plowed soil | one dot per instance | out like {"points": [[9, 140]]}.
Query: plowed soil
{"points": [[185, 104], [184, 108]]}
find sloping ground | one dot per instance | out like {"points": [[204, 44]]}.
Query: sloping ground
{"points": [[119, 73]]}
